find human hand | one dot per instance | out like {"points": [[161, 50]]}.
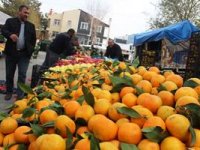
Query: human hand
{"points": [[14, 37]]}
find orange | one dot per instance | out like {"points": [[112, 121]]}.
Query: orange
{"points": [[148, 75], [113, 113], [41, 104], [83, 144], [178, 126], [197, 142], [55, 96], [50, 130], [8, 125], [154, 69], [197, 80], [146, 144], [126, 90], [103, 128], [165, 111], [32, 138], [167, 98], [96, 92], [102, 106], [105, 94], [107, 87], [14, 147], [136, 78], [9, 139], [107, 146], [177, 79], [169, 85], [186, 100], [50, 142], [157, 79], [32, 146], [141, 70], [116, 143], [129, 133], [154, 121], [197, 89], [167, 73], [20, 134], [122, 65], [21, 105], [85, 112], [82, 130], [78, 93], [129, 99], [172, 143], [154, 91], [145, 85], [62, 122], [1, 138], [47, 116], [152, 102], [115, 97], [185, 91], [121, 121], [71, 108], [144, 112], [59, 88]]}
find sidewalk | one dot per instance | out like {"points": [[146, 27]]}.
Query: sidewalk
{"points": [[39, 61]]}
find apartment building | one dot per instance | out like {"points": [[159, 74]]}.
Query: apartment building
{"points": [[88, 28]]}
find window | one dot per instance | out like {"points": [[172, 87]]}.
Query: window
{"points": [[98, 41], [56, 22], [69, 24], [84, 26], [99, 28]]}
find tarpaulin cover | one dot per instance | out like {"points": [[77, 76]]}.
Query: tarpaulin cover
{"points": [[174, 33]]}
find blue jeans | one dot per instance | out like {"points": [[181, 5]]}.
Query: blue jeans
{"points": [[22, 62]]}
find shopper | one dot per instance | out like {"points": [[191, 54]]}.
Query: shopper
{"points": [[59, 48], [21, 39], [114, 51]]}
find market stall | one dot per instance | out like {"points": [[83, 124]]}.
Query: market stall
{"points": [[166, 47]]}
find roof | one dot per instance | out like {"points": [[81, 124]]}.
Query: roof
{"points": [[3, 18], [174, 33]]}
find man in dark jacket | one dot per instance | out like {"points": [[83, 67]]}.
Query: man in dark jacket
{"points": [[114, 51], [60, 47], [21, 39]]}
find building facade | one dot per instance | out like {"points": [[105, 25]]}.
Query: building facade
{"points": [[88, 28]]}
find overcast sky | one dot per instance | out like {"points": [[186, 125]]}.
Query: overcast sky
{"points": [[128, 16]]}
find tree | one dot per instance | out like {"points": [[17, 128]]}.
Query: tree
{"points": [[11, 7], [98, 11], [173, 11]]}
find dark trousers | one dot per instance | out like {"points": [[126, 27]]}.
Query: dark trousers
{"points": [[22, 62]]}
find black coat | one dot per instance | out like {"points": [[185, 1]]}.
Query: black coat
{"points": [[114, 52], [12, 26]]}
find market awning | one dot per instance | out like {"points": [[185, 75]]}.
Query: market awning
{"points": [[174, 33], [3, 18]]}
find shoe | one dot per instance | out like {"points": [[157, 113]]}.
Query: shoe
{"points": [[8, 96]]}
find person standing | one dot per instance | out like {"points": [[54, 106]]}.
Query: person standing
{"points": [[61, 46], [21, 39], [113, 51]]}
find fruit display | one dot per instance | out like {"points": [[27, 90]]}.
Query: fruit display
{"points": [[105, 106]]}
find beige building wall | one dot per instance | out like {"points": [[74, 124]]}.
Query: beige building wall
{"points": [[70, 19]]}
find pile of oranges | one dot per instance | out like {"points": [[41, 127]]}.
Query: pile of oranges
{"points": [[81, 110]]}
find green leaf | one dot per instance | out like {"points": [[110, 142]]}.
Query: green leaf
{"points": [[25, 88], [193, 135], [80, 122], [28, 112], [139, 90], [69, 141], [22, 147], [81, 99], [125, 146], [57, 107], [48, 124], [115, 63], [37, 130], [11, 106], [74, 87], [136, 62], [94, 143], [161, 88], [89, 98], [3, 115], [190, 83], [129, 112], [44, 95], [155, 134]]}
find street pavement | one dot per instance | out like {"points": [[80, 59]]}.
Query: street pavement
{"points": [[39, 60]]}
